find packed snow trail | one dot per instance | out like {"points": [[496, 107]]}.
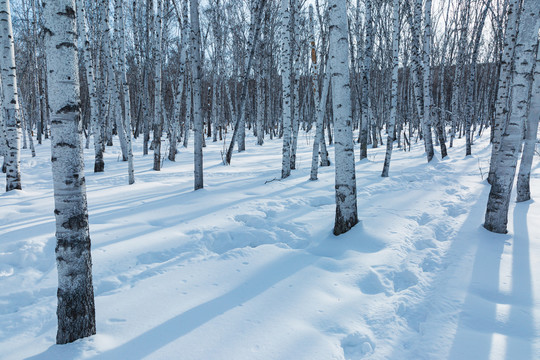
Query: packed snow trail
{"points": [[245, 269]]}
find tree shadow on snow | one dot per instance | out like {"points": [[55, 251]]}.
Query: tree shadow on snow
{"points": [[495, 322]]}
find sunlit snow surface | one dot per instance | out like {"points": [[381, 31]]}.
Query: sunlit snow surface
{"points": [[245, 269]]}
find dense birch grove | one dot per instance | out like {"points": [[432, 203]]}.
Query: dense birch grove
{"points": [[350, 75]]}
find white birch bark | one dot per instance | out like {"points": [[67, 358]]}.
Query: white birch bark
{"points": [[345, 182], [524, 174], [99, 164], [124, 88], [365, 102], [427, 78], [75, 311], [505, 78], [156, 51], [320, 101], [471, 101], [295, 47], [393, 100], [525, 56], [286, 68], [198, 131], [10, 106], [457, 87]]}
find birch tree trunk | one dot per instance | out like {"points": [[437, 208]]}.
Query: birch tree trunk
{"points": [[320, 101], [286, 68], [505, 79], [525, 56], [368, 53], [471, 100], [10, 104], [196, 65], [427, 79], [76, 311], [524, 174], [345, 183], [393, 105], [157, 25], [99, 164], [124, 88], [295, 47]]}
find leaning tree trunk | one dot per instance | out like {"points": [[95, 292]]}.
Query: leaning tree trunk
{"points": [[393, 101], [11, 100], [524, 175], [345, 183], [76, 311], [501, 188]]}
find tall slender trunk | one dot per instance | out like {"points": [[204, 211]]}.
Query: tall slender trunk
{"points": [[156, 54], [525, 56], [99, 164], [196, 70], [76, 310], [393, 101], [10, 106], [368, 53], [505, 79], [286, 61], [524, 174], [124, 88], [345, 176]]}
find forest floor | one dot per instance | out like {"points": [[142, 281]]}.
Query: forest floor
{"points": [[249, 269]]}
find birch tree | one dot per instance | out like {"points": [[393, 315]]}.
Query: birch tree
{"points": [[157, 51], [124, 88], [99, 164], [393, 105], [505, 78], [75, 311], [529, 146], [427, 76], [345, 178], [196, 70], [10, 104], [286, 69], [365, 102], [525, 55]]}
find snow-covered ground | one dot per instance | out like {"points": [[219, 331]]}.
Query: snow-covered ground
{"points": [[249, 269]]}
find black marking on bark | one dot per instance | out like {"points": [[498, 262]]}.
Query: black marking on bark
{"points": [[56, 212], [66, 44], [53, 159], [68, 108], [46, 30], [76, 222], [65, 144], [70, 13]]}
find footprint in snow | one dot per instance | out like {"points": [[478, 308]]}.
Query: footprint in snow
{"points": [[371, 283], [357, 345], [404, 280]]}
